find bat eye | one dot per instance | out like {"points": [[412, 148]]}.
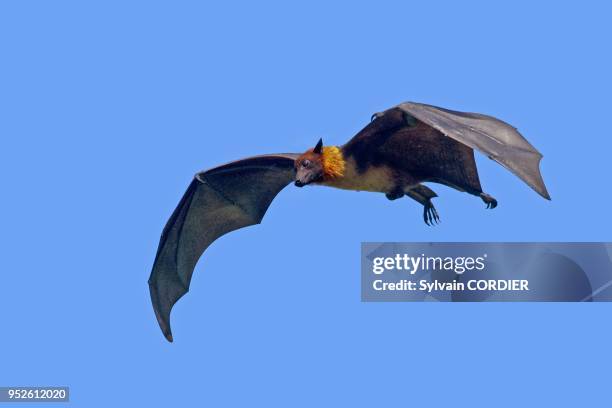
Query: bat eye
{"points": [[306, 163]]}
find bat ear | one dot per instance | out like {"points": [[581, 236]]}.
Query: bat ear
{"points": [[318, 147]]}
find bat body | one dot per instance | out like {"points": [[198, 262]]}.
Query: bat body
{"points": [[400, 149]]}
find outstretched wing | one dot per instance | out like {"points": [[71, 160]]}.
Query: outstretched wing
{"points": [[216, 202], [493, 137]]}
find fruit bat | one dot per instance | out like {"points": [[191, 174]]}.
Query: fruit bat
{"points": [[394, 154]]}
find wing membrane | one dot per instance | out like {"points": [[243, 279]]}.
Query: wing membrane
{"points": [[216, 202], [493, 137]]}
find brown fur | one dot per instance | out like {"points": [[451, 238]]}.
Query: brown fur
{"points": [[309, 168], [415, 152]]}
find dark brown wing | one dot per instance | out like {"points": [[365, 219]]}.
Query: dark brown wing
{"points": [[400, 141], [410, 136], [374, 135], [428, 155], [493, 137], [216, 202]]}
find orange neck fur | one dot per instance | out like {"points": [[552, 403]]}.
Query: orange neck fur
{"points": [[333, 162]]}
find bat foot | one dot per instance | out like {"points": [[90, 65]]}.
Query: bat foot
{"points": [[488, 200], [430, 214]]}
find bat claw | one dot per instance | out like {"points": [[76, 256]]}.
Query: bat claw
{"points": [[488, 200], [430, 214], [375, 116]]}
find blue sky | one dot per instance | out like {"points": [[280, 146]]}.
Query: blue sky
{"points": [[109, 108]]}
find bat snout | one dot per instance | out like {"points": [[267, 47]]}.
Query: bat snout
{"points": [[306, 177]]}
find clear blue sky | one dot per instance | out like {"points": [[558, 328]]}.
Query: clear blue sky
{"points": [[108, 108]]}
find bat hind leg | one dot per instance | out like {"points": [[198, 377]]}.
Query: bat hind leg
{"points": [[470, 188], [490, 201], [395, 194], [423, 195]]}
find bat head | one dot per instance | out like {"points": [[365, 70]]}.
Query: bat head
{"points": [[309, 166]]}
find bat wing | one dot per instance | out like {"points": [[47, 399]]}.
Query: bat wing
{"points": [[217, 201], [493, 137]]}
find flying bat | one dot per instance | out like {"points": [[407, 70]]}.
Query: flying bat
{"points": [[399, 149]]}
